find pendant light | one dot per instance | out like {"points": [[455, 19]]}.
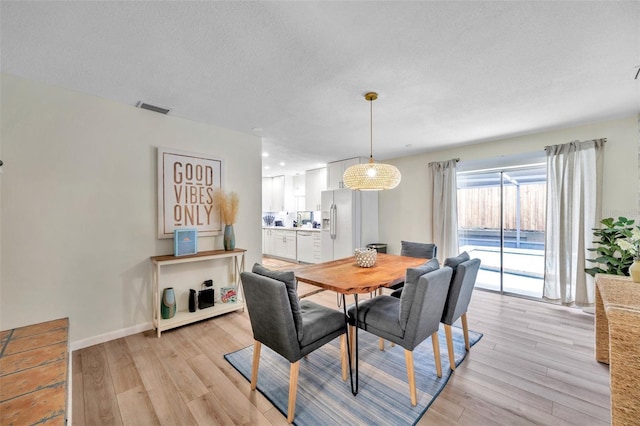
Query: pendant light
{"points": [[371, 176]]}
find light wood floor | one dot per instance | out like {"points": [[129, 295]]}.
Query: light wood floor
{"points": [[534, 365]]}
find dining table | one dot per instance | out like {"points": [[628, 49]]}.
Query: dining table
{"points": [[346, 277]]}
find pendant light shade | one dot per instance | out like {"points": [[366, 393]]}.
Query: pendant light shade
{"points": [[372, 176]]}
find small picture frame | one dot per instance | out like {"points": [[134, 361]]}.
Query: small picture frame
{"points": [[229, 294], [185, 241]]}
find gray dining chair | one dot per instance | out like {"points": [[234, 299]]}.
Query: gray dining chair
{"points": [[419, 250], [410, 319], [463, 280], [411, 249], [290, 327]]}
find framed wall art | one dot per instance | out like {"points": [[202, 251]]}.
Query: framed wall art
{"points": [[186, 182], [228, 294], [185, 241]]}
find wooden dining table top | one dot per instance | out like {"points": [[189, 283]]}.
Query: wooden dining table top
{"points": [[346, 277]]}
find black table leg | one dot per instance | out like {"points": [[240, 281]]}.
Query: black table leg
{"points": [[354, 386]]}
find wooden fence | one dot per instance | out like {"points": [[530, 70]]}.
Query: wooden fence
{"points": [[480, 207]]}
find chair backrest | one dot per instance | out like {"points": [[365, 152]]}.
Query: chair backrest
{"points": [[428, 304], [408, 293], [423, 250], [291, 284], [270, 314], [460, 290]]}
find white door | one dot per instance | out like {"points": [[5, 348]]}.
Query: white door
{"points": [[345, 223], [326, 240], [326, 246]]}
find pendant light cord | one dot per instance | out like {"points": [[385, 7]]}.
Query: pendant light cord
{"points": [[371, 96], [371, 130]]}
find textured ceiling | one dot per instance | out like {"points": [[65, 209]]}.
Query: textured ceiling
{"points": [[447, 73]]}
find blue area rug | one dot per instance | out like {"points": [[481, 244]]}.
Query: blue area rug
{"points": [[383, 397]]}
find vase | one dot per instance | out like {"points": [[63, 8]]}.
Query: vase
{"points": [[229, 238], [168, 304], [192, 300], [634, 271]]}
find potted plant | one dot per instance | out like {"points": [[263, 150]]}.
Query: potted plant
{"points": [[619, 247]]}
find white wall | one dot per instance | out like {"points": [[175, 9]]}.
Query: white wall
{"points": [[405, 212], [79, 205]]}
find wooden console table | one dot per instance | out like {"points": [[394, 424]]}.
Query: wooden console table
{"points": [[34, 363], [183, 316], [618, 343]]}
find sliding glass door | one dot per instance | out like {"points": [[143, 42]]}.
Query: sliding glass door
{"points": [[501, 221]]}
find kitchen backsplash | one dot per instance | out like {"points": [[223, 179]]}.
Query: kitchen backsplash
{"points": [[302, 219]]}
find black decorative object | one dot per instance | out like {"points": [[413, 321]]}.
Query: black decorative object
{"points": [[192, 300], [206, 296]]}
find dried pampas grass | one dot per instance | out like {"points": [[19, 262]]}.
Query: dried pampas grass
{"points": [[228, 205]]}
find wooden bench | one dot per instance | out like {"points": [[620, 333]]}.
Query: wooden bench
{"points": [[34, 362]]}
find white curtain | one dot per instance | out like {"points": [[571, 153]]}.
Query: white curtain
{"points": [[444, 205], [574, 208]]}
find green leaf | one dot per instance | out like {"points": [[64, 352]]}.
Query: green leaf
{"points": [[608, 222], [594, 271]]}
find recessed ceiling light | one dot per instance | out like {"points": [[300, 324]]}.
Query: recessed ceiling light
{"points": [[282, 163], [265, 154], [267, 167]]}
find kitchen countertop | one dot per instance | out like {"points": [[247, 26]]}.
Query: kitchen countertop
{"points": [[290, 228]]}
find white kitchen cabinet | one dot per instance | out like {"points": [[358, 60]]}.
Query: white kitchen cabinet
{"points": [[289, 198], [269, 242], [285, 244], [336, 169], [266, 194], [299, 185], [277, 194], [273, 194], [315, 181], [298, 192]]}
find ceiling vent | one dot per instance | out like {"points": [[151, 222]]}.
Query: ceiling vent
{"points": [[154, 108]]}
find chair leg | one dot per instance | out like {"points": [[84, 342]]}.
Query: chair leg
{"points": [[352, 341], [293, 388], [465, 330], [381, 344], [436, 353], [452, 355], [411, 375], [343, 355], [256, 363]]}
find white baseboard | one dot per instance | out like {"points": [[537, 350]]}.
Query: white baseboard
{"points": [[95, 340]]}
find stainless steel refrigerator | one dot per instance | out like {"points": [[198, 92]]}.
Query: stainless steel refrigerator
{"points": [[349, 221]]}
